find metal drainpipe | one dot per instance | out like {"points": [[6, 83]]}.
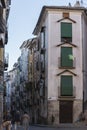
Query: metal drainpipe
{"points": [[1, 103], [1, 91]]}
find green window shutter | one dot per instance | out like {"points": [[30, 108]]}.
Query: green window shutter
{"points": [[66, 86], [66, 57], [66, 30]]}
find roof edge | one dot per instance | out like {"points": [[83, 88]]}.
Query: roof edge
{"points": [[54, 7]]}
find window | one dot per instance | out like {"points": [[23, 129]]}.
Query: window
{"points": [[30, 68], [38, 44], [66, 32], [42, 37], [66, 57], [37, 65], [42, 63], [65, 15], [66, 85]]}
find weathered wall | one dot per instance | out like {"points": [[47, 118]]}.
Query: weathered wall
{"points": [[53, 112]]}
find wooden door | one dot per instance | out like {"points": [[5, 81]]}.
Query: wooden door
{"points": [[66, 112]]}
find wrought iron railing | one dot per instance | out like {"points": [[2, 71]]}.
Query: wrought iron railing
{"points": [[67, 95], [67, 66]]}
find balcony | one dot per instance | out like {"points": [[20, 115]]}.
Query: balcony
{"points": [[21, 79], [28, 86], [73, 95], [8, 2], [72, 66], [1, 67], [42, 92], [43, 50], [1, 42], [6, 61], [30, 102], [42, 66], [6, 37], [3, 3], [37, 66], [2, 21]]}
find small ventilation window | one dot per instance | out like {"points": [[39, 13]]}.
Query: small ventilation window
{"points": [[65, 15]]}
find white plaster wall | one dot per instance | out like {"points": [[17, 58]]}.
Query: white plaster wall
{"points": [[53, 56], [54, 53], [84, 48]]}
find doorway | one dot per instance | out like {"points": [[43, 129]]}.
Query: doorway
{"points": [[66, 112]]}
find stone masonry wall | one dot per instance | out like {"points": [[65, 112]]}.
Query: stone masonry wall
{"points": [[77, 110], [53, 112]]}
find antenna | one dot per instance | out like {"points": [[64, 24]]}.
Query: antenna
{"points": [[81, 2]]}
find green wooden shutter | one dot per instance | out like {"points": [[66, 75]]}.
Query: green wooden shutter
{"points": [[66, 86], [66, 61], [66, 30]]}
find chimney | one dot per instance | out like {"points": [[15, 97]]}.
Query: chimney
{"points": [[77, 4], [69, 4]]}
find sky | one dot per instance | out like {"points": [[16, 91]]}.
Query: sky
{"points": [[22, 20]]}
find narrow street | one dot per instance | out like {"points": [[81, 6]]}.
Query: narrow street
{"points": [[46, 82], [58, 128], [55, 128]]}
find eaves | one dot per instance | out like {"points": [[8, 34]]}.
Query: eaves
{"points": [[45, 9]]}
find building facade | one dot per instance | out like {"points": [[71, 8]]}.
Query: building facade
{"points": [[61, 31], [52, 67], [4, 13]]}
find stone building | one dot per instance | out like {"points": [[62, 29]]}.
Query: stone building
{"points": [[34, 78], [29, 57], [62, 41], [4, 13]]}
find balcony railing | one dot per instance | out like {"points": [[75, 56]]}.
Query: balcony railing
{"points": [[73, 95], [1, 42], [67, 66], [3, 3], [1, 67], [2, 21], [8, 2], [43, 50], [28, 86], [6, 61], [6, 37]]}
